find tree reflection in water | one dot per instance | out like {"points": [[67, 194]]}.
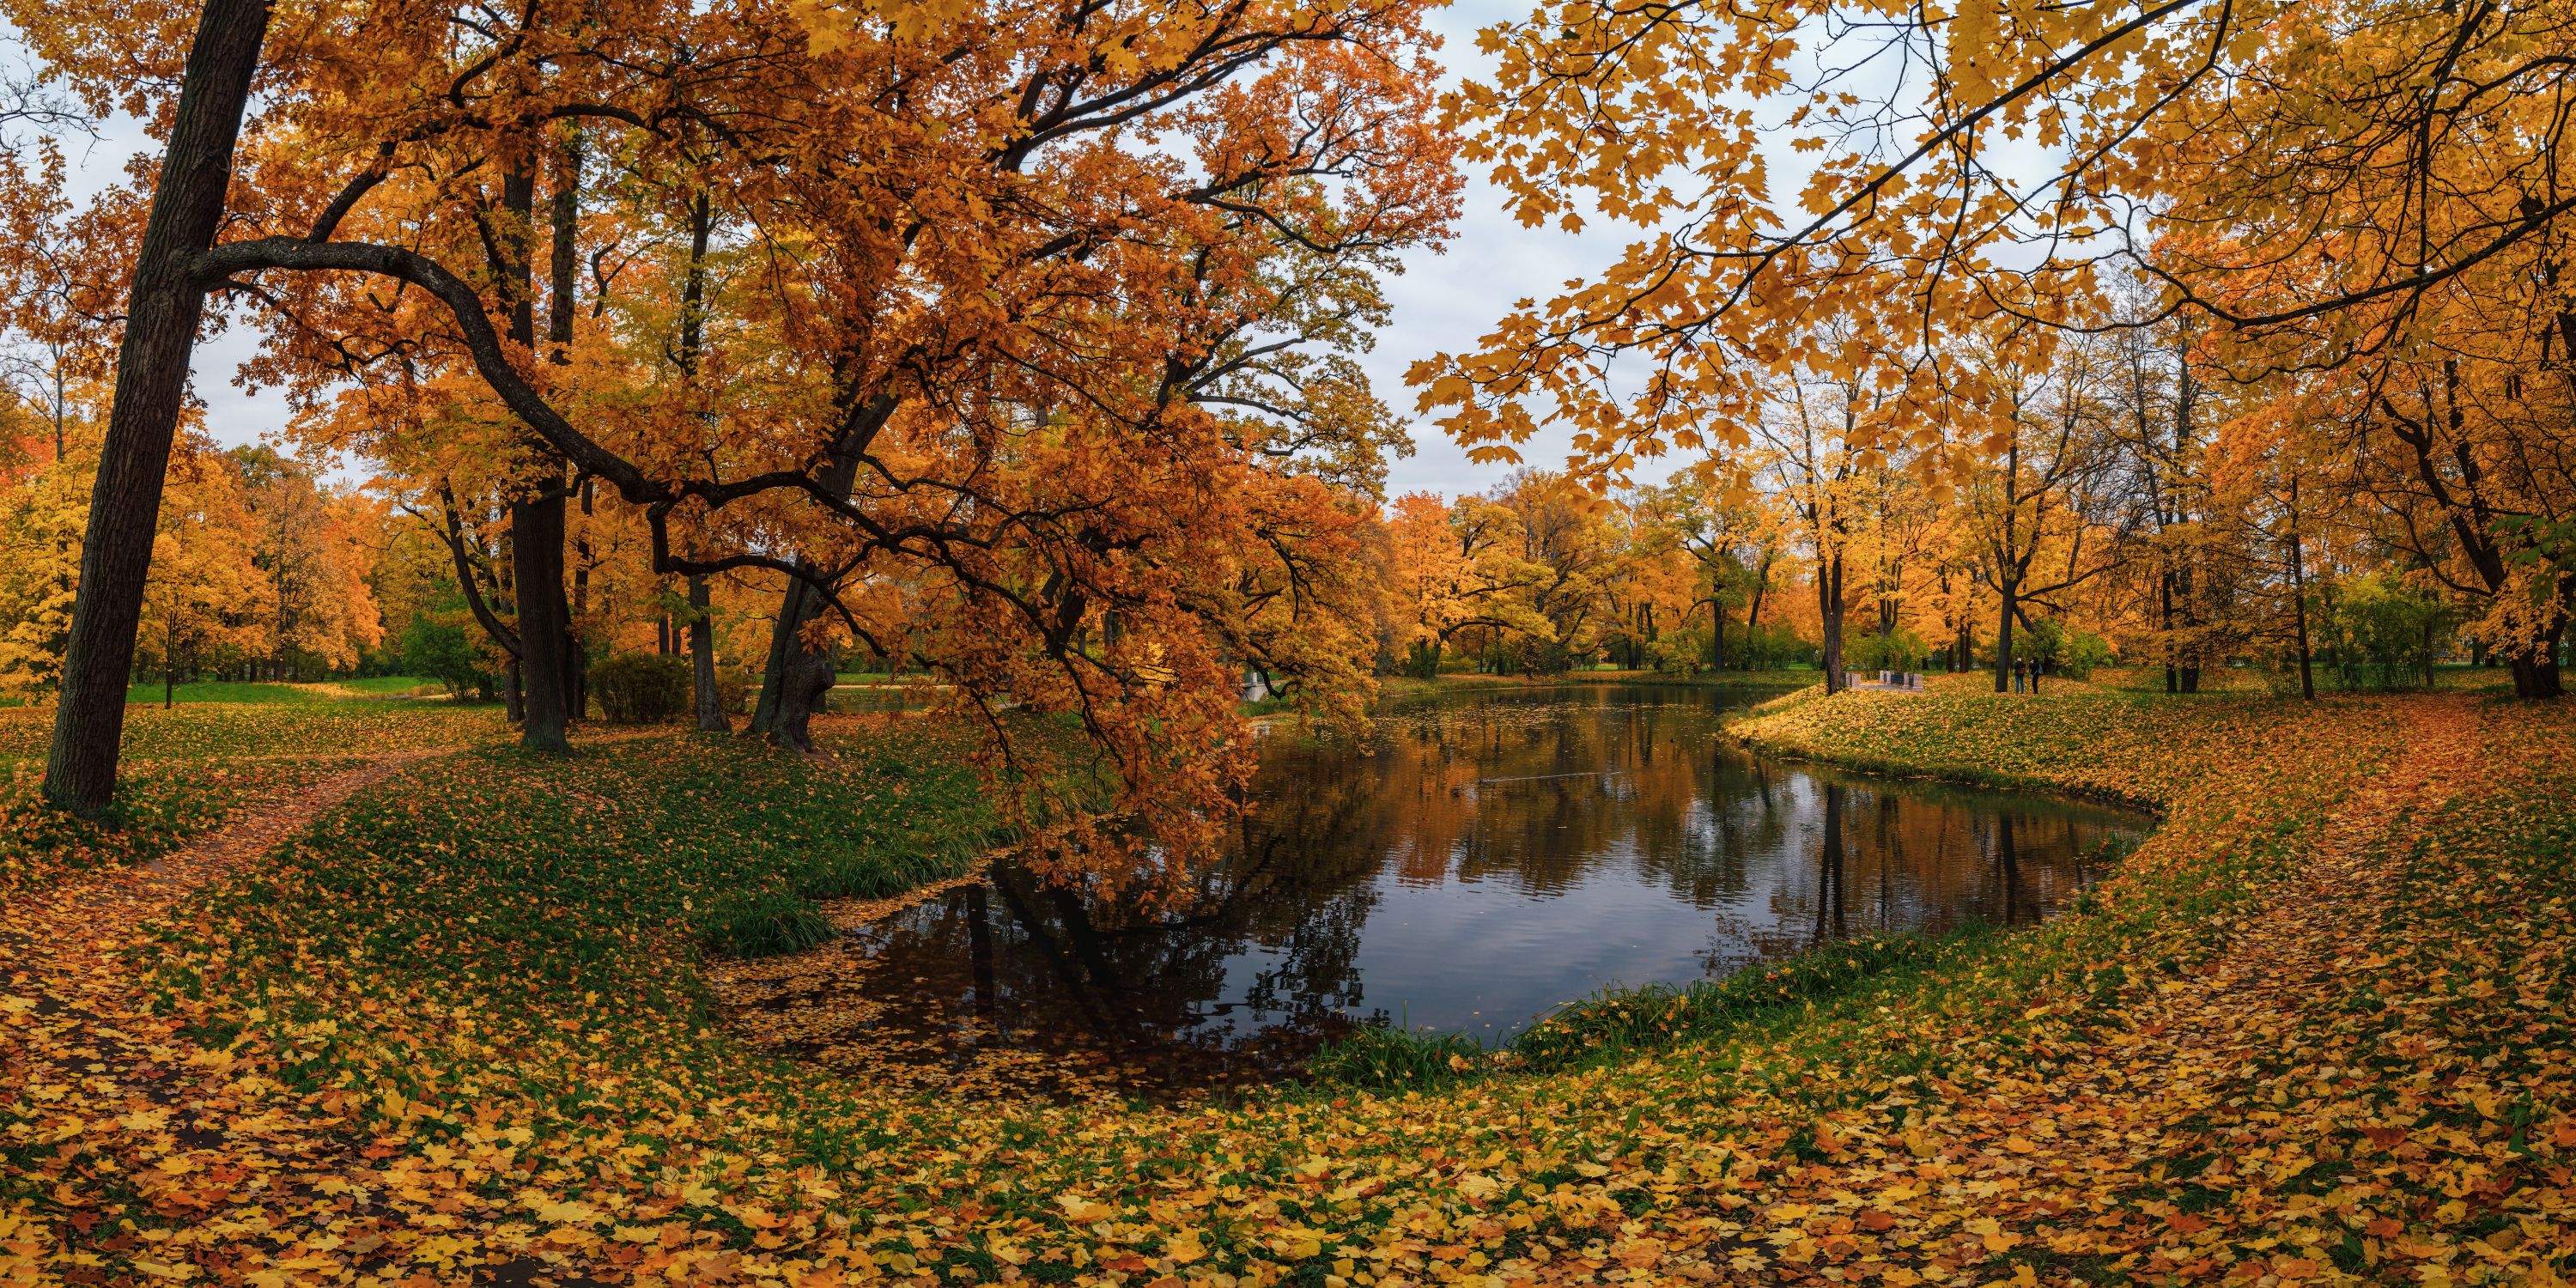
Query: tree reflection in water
{"points": [[1475, 862]]}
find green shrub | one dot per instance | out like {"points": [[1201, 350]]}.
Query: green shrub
{"points": [[2376, 632], [762, 923], [641, 688], [1871, 651]]}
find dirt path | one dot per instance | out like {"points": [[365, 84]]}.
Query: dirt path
{"points": [[77, 920], [78, 1032], [75, 1019], [68, 931]]}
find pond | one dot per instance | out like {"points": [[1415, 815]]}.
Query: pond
{"points": [[1476, 861]]}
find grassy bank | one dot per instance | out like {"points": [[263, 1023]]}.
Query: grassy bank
{"points": [[1398, 686], [460, 1025]]}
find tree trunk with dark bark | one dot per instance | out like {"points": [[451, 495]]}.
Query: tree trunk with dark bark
{"points": [[2004, 635], [1829, 615], [537, 514], [793, 684], [702, 661], [564, 213], [536, 553], [2535, 669], [162, 310], [1753, 607], [2299, 599]]}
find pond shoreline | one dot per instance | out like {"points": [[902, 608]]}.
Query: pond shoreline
{"points": [[1483, 860]]}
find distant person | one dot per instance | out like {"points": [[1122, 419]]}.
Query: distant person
{"points": [[2020, 670]]}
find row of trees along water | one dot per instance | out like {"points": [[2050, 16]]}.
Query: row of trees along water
{"points": [[1020, 345]]}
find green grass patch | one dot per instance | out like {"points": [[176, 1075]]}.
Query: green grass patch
{"points": [[273, 693], [389, 686], [240, 691], [762, 923], [213, 731], [498, 872]]}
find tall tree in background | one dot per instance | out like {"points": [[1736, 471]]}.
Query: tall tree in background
{"points": [[2353, 191]]}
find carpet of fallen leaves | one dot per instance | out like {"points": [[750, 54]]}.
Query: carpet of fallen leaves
{"points": [[2316, 1030], [233, 731]]}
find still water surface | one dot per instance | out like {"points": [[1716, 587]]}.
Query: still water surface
{"points": [[1476, 861]]}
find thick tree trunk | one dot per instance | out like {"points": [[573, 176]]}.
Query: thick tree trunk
{"points": [[702, 661], [1717, 635], [2299, 598], [1829, 614], [514, 702], [2164, 622], [161, 315], [536, 553], [576, 650], [2004, 636], [2299, 614], [2535, 669], [564, 213], [794, 683], [537, 516]]}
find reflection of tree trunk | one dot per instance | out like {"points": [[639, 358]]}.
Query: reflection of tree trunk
{"points": [[1829, 879], [1891, 853], [2010, 862], [979, 949], [1057, 957]]}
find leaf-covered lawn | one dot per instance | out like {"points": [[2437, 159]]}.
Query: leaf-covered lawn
{"points": [[2316, 1030], [227, 730]]}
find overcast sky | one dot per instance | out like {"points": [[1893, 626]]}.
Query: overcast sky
{"points": [[1443, 301]]}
